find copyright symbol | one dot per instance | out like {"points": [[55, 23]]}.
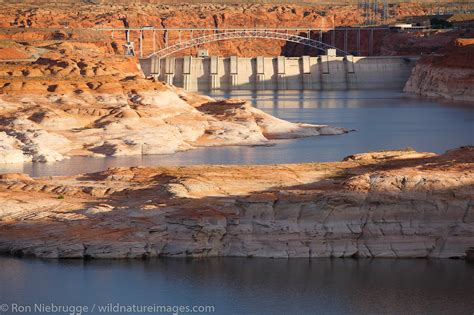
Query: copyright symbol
{"points": [[3, 307]]}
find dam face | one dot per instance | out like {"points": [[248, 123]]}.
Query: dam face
{"points": [[325, 72]]}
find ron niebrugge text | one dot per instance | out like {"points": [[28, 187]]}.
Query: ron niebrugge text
{"points": [[104, 308]]}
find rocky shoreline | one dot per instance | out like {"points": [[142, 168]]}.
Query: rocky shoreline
{"points": [[401, 204], [441, 82], [448, 75], [159, 122], [70, 102]]}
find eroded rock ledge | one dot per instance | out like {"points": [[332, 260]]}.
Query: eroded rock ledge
{"points": [[383, 204], [83, 99]]}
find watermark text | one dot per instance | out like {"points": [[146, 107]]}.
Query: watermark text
{"points": [[119, 308]]}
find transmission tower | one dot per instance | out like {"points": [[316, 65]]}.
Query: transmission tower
{"points": [[372, 9]]}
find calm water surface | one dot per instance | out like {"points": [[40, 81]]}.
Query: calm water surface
{"points": [[383, 120], [248, 286]]}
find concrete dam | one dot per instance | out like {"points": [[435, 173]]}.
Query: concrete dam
{"points": [[325, 72]]}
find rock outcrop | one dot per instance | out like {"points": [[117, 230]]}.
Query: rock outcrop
{"points": [[381, 204], [447, 75], [71, 101]]}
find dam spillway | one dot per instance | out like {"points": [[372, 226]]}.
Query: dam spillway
{"points": [[325, 72]]}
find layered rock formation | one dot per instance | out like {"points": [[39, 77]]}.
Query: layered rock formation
{"points": [[449, 74], [72, 92], [382, 204], [83, 99], [37, 23]]}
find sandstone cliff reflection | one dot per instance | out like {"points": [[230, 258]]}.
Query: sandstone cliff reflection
{"points": [[251, 286]]}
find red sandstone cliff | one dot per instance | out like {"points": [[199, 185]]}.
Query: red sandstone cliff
{"points": [[69, 19], [449, 74]]}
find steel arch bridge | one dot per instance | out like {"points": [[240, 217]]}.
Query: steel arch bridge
{"points": [[218, 35]]}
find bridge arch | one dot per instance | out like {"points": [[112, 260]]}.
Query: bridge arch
{"points": [[242, 34]]}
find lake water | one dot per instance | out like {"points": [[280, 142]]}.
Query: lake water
{"points": [[248, 285], [382, 119]]}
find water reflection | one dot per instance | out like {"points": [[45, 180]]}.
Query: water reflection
{"points": [[250, 286], [312, 99], [383, 120]]}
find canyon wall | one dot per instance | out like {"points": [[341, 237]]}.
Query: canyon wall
{"points": [[449, 74], [444, 82], [383, 204], [29, 24]]}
